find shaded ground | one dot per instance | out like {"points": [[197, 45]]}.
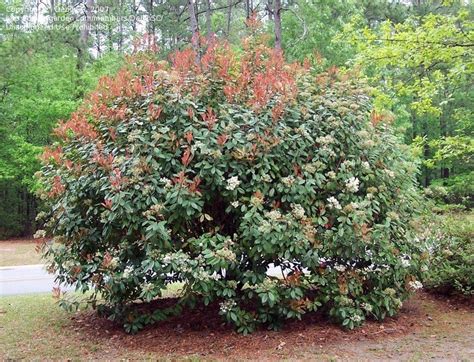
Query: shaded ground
{"points": [[426, 328], [18, 252]]}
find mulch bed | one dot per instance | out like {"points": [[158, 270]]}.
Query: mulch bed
{"points": [[201, 332]]}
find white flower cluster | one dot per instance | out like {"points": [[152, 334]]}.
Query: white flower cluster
{"points": [[415, 285], [235, 204], [226, 253], [390, 291], [265, 227], [134, 135], [298, 211], [405, 262], [274, 215], [331, 175], [340, 268], [309, 168], [345, 301], [372, 268], [367, 307], [390, 173], [266, 178], [352, 184], [154, 211], [148, 287], [232, 183], [325, 140], [198, 145], [127, 272], [333, 203], [366, 165], [166, 182], [356, 318], [348, 164], [39, 234], [41, 215], [227, 306], [288, 180], [201, 274], [179, 259]]}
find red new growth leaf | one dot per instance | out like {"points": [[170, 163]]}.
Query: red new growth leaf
{"points": [[222, 139], [186, 159], [210, 118], [52, 154], [116, 179], [297, 170], [57, 187], [77, 126], [180, 178], [104, 161], [190, 112], [107, 204], [375, 118], [193, 186], [188, 136], [154, 111]]}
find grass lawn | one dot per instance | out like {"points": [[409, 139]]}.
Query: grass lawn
{"points": [[33, 327], [18, 252]]}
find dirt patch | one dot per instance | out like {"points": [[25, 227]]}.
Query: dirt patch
{"points": [[201, 333]]}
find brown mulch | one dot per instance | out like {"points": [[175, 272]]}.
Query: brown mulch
{"points": [[201, 332]]}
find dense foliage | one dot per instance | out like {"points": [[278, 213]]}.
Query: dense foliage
{"points": [[449, 237], [423, 70], [210, 173]]}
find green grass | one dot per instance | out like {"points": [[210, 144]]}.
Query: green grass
{"points": [[33, 326]]}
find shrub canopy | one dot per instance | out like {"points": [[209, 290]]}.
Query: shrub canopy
{"points": [[211, 173]]}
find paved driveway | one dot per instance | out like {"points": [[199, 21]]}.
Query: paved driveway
{"points": [[25, 279]]}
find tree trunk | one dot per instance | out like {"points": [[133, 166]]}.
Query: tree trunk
{"points": [[247, 9], [82, 45], [269, 8], [120, 40], [194, 28], [444, 132], [229, 17], [208, 20], [52, 11], [86, 26], [134, 16], [97, 42], [426, 155], [277, 22], [151, 20]]}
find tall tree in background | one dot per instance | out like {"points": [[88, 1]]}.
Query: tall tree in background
{"points": [[277, 23], [193, 23], [423, 68]]}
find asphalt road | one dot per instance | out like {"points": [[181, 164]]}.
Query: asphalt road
{"points": [[25, 279]]}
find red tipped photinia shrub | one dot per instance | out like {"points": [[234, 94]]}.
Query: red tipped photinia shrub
{"points": [[255, 183]]}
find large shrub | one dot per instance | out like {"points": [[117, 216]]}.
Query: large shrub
{"points": [[209, 173], [449, 239]]}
